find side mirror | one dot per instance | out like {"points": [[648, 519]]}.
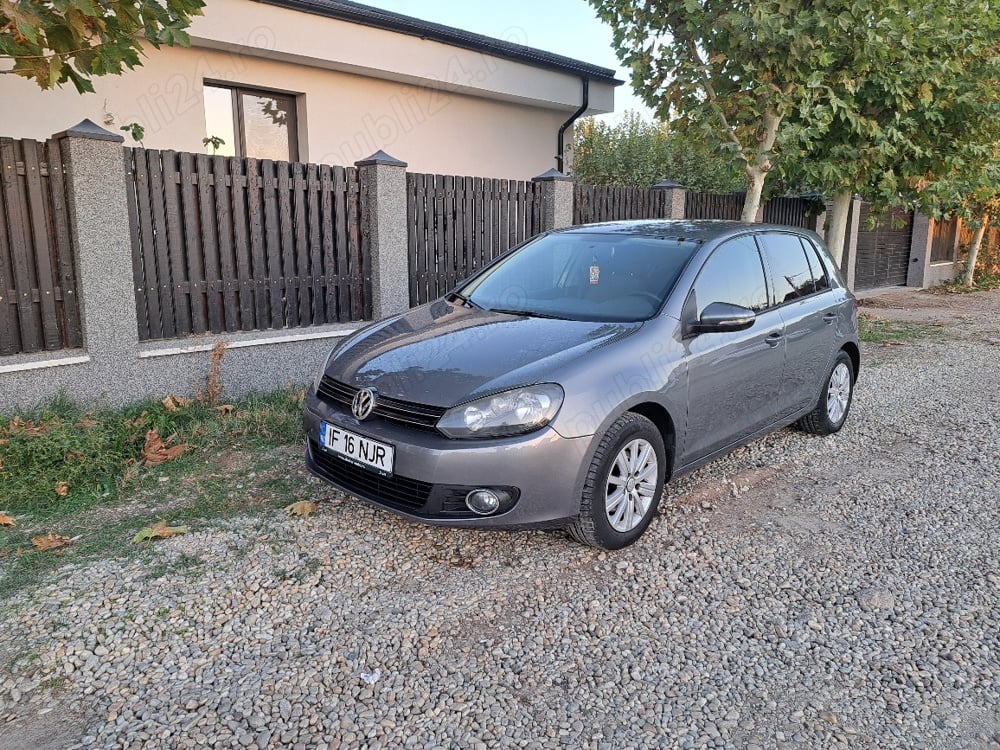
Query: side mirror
{"points": [[722, 317]]}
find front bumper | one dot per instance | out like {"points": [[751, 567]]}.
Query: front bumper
{"points": [[432, 474]]}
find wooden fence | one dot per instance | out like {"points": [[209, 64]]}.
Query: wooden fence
{"points": [[792, 212], [459, 224], [227, 244], [713, 206], [596, 203], [883, 250], [944, 240], [38, 291]]}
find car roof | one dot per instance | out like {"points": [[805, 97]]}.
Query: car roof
{"points": [[696, 230]]}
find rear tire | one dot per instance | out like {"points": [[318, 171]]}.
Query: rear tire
{"points": [[623, 486], [834, 402]]}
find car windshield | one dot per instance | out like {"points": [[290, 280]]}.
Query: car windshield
{"points": [[577, 276]]}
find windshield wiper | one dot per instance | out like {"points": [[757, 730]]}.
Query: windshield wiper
{"points": [[466, 301], [527, 313]]}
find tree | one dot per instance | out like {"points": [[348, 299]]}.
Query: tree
{"points": [[736, 69], [861, 95], [971, 194], [75, 40], [909, 100], [637, 153]]}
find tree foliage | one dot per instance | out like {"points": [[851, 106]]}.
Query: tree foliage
{"points": [[735, 68], [843, 95], [637, 153], [75, 40]]}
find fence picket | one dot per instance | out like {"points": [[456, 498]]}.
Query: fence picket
{"points": [[191, 248], [64, 247], [232, 297], [208, 252], [142, 299], [18, 225]]}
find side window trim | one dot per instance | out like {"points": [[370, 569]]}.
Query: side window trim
{"points": [[760, 259], [775, 303], [824, 272]]}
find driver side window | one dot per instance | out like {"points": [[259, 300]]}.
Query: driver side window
{"points": [[734, 273]]}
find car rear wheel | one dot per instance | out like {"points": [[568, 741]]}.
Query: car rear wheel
{"points": [[835, 401], [623, 485]]}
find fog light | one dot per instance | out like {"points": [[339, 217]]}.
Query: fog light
{"points": [[483, 502]]}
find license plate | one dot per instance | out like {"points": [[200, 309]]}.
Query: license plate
{"points": [[356, 449]]}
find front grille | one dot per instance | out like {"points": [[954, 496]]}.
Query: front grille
{"points": [[402, 492], [419, 416]]}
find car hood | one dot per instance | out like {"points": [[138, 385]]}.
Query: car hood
{"points": [[443, 354]]}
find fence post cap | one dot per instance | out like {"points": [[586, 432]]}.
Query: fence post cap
{"points": [[89, 129], [382, 159], [551, 176], [667, 185]]}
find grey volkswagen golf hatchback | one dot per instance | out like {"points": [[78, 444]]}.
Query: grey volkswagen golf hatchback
{"points": [[564, 383]]}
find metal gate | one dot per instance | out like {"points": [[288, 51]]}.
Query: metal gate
{"points": [[883, 251]]}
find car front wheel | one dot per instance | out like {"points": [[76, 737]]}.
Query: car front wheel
{"points": [[623, 485], [835, 400]]}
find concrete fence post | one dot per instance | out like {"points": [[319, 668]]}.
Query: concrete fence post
{"points": [[556, 199], [99, 223], [921, 238], [676, 198], [849, 261], [383, 221]]}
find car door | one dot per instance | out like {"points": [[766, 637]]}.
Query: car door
{"points": [[733, 377], [801, 292]]}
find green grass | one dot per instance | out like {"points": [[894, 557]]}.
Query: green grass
{"points": [[232, 464], [875, 330]]}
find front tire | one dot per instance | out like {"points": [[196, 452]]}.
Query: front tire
{"points": [[835, 400], [623, 486]]}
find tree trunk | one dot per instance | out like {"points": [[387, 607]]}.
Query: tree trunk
{"points": [[837, 234], [757, 171], [977, 241]]}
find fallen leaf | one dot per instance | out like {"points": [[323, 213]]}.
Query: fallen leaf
{"points": [[173, 403], [156, 450], [11, 551], [50, 541], [87, 421], [6, 520], [158, 530], [74, 457], [29, 428], [62, 489], [139, 421], [226, 409], [301, 508]]}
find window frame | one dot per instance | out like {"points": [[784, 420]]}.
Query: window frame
{"points": [[752, 237], [236, 93], [775, 302]]}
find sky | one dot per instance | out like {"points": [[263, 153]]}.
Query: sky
{"points": [[565, 27]]}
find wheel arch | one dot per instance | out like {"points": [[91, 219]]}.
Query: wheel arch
{"points": [[660, 417], [855, 354]]}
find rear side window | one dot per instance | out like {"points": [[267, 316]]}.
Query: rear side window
{"points": [[790, 273], [817, 266], [733, 274]]}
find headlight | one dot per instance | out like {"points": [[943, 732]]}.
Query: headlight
{"points": [[509, 413]]}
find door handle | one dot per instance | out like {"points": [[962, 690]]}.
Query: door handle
{"points": [[774, 339], [829, 317]]}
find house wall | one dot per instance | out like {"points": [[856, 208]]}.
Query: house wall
{"points": [[439, 108]]}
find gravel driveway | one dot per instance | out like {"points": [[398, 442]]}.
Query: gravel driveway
{"points": [[800, 593]]}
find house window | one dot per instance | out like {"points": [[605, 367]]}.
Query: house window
{"points": [[254, 123]]}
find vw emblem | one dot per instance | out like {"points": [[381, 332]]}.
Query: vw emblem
{"points": [[363, 403]]}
